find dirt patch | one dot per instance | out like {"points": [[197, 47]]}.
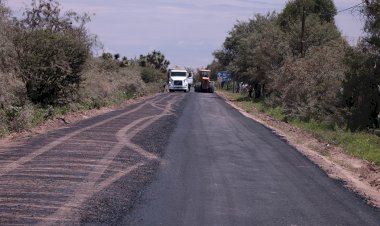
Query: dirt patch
{"points": [[358, 175]]}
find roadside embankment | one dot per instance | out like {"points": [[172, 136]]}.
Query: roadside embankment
{"points": [[360, 175]]}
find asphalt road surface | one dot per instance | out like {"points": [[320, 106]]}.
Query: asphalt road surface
{"points": [[222, 168], [174, 159], [90, 172]]}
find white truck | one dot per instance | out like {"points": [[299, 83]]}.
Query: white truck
{"points": [[178, 80]]}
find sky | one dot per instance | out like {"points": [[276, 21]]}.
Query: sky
{"points": [[186, 32]]}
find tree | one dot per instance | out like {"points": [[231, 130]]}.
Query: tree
{"points": [[7, 53], [324, 9], [253, 49], [51, 66], [156, 60], [267, 56], [52, 48], [362, 83], [310, 87], [371, 11], [362, 89], [107, 56], [316, 34]]}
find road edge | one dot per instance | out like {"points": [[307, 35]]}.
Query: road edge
{"points": [[333, 169], [59, 122]]}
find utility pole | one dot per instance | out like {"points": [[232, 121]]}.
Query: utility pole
{"points": [[303, 30]]}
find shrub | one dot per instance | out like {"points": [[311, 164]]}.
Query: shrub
{"points": [[19, 118], [310, 87], [102, 86], [362, 89], [52, 47], [150, 75], [50, 65], [12, 92]]}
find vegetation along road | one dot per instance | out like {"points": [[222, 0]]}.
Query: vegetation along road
{"points": [[173, 159]]}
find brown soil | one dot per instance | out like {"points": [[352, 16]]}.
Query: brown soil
{"points": [[358, 175]]}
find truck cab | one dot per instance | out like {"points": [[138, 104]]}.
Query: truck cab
{"points": [[178, 80]]}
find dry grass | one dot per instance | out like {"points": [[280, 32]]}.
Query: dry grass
{"points": [[105, 84], [103, 87]]}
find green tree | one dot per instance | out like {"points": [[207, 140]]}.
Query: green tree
{"points": [[253, 49], [7, 53], [324, 9], [316, 34], [362, 89], [371, 11], [52, 48], [266, 55], [107, 56], [156, 60], [362, 83], [51, 65], [310, 87]]}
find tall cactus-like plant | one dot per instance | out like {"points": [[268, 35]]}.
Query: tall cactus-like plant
{"points": [[155, 59]]}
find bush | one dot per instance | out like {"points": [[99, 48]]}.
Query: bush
{"points": [[46, 68], [12, 92], [151, 75], [310, 87], [51, 47], [19, 118], [51, 64], [101, 87]]}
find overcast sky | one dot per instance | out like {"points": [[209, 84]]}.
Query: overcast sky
{"points": [[187, 32]]}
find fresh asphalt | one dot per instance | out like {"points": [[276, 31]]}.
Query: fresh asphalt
{"points": [[221, 168]]}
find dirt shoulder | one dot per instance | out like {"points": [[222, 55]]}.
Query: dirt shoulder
{"points": [[358, 175], [62, 121]]}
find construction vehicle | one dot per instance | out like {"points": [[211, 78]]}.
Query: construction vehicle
{"points": [[205, 84]]}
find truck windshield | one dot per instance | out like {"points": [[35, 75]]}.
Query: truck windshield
{"points": [[178, 74], [204, 74]]}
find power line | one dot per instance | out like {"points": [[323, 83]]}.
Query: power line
{"points": [[352, 7], [340, 11]]}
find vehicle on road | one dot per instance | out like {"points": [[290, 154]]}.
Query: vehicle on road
{"points": [[190, 79], [205, 84], [178, 80]]}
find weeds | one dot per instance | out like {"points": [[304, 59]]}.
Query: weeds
{"points": [[101, 88]]}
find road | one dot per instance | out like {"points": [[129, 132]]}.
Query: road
{"points": [[222, 168], [173, 159], [87, 173]]}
